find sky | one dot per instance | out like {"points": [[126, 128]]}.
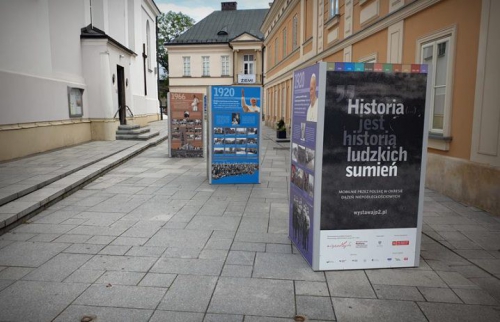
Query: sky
{"points": [[199, 9]]}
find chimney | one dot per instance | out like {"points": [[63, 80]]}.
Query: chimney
{"points": [[225, 6]]}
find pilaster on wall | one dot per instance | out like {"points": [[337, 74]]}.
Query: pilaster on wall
{"points": [[321, 14]]}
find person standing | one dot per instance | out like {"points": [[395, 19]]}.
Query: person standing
{"points": [[253, 103]]}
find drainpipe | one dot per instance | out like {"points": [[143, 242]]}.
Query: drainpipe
{"points": [[158, 72]]}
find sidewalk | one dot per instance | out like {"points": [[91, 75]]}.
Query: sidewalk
{"points": [[151, 240], [28, 184]]}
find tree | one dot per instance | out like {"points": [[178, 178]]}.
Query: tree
{"points": [[170, 26]]}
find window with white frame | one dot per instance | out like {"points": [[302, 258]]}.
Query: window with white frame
{"points": [[333, 8], [186, 63], [248, 64], [284, 43], [224, 65], [295, 25], [206, 65], [436, 54]]}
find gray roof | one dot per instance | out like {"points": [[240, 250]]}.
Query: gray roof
{"points": [[224, 26]]}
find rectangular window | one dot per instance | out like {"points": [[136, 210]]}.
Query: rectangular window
{"points": [[284, 43], [186, 66], [276, 51], [436, 54], [248, 64], [206, 65], [295, 26], [224, 65], [333, 8]]}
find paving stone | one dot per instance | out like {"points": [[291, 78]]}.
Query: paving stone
{"points": [[284, 266], [251, 247], [15, 273], [490, 265], [188, 266], [84, 276], [132, 297], [223, 318], [44, 228], [253, 224], [84, 249], [76, 312], [58, 268], [5, 283], [237, 271], [100, 240], [474, 296], [262, 238], [37, 301], [315, 307], [72, 238], [349, 284], [214, 223], [170, 316], [402, 293], [267, 319], [236, 257], [29, 254], [434, 294], [175, 252], [189, 293], [142, 229], [370, 310], [311, 288], [215, 254], [46, 238], [180, 238], [456, 280], [250, 296], [114, 250], [120, 278], [453, 312], [405, 277], [120, 263], [157, 280], [222, 244], [146, 251], [278, 248]]}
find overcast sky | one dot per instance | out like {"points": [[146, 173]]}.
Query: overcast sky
{"points": [[199, 9]]}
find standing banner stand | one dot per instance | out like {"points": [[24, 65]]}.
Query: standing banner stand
{"points": [[185, 137], [234, 134], [359, 144]]}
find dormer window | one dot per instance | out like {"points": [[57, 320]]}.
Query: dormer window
{"points": [[223, 32]]}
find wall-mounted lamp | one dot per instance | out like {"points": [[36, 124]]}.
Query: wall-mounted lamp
{"points": [[113, 79], [122, 56]]}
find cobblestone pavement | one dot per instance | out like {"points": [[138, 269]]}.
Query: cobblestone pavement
{"points": [[151, 240]]}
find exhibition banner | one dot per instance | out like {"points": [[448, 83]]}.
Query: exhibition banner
{"points": [[372, 157], [186, 125], [368, 147], [305, 104], [235, 134]]}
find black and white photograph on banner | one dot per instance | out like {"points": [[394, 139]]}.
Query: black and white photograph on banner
{"points": [[295, 152], [235, 117], [219, 150], [229, 130], [372, 150], [241, 130], [301, 221], [218, 130], [229, 140], [221, 170]]}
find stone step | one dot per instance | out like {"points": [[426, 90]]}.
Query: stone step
{"points": [[128, 127], [139, 137], [134, 131]]}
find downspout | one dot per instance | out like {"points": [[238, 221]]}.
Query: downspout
{"points": [[158, 72]]}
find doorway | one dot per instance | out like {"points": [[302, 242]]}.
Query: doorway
{"points": [[122, 106]]}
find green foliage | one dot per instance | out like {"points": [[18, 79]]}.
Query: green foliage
{"points": [[280, 125], [170, 26]]}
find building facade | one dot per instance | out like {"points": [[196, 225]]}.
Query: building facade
{"points": [[67, 67], [455, 37], [225, 48]]}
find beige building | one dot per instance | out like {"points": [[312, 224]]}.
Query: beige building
{"points": [[458, 38], [225, 48]]}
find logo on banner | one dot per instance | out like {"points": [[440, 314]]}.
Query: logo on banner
{"points": [[400, 242], [361, 244], [343, 245]]}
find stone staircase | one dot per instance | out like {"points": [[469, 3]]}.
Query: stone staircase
{"points": [[134, 132]]}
